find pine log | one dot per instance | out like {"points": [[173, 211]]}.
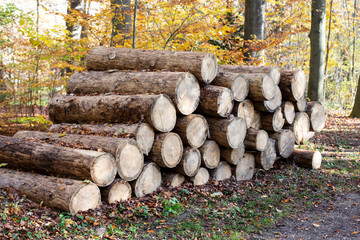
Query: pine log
{"points": [[272, 121], [256, 139], [245, 110], [157, 110], [232, 156], [227, 132], [61, 193], [193, 129], [221, 172], [141, 132], [210, 154], [301, 105], [300, 127], [272, 105], [118, 191], [167, 150], [129, 159], [293, 84], [307, 158], [173, 179], [148, 181], [285, 142], [190, 162], [273, 72], [261, 87], [182, 88], [237, 84], [215, 101], [267, 158], [288, 110], [60, 161], [257, 120], [317, 115], [201, 177], [246, 167], [203, 65]]}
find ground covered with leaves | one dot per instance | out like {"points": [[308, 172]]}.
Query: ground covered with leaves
{"points": [[286, 202]]}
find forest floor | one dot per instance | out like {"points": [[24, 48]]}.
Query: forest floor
{"points": [[286, 202]]}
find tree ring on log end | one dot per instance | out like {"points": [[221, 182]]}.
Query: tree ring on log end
{"points": [[209, 68], [289, 112], [246, 167], [129, 160], [316, 161], [246, 112], [197, 131], [149, 180], [145, 137], [240, 88], [235, 133], [171, 150], [317, 117], [301, 127], [103, 169], [120, 191], [86, 197], [286, 143], [222, 172], [278, 120], [298, 85], [225, 103], [163, 114], [262, 140], [201, 177], [268, 87], [210, 152], [273, 104], [275, 75], [177, 180], [192, 162], [187, 94]]}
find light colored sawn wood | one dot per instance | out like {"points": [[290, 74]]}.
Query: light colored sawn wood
{"points": [[119, 190], [148, 181], [210, 154], [232, 156], [201, 177], [193, 129], [221, 172], [167, 150], [246, 167], [235, 82]]}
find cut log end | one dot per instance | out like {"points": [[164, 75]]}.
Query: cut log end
{"points": [[210, 153], [240, 88], [298, 85], [262, 140], [103, 169], [129, 160], [267, 158], [177, 180], [209, 68], [275, 75], [163, 114], [233, 156], [201, 177], [145, 137], [171, 150], [301, 105], [222, 172], [288, 110], [285, 142], [257, 120], [236, 132], [197, 131], [148, 181], [278, 120], [246, 167], [317, 115], [187, 94], [87, 197], [245, 110], [268, 87], [273, 104], [119, 191], [307, 158], [192, 162], [225, 103], [301, 127]]}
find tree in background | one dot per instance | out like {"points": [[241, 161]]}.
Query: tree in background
{"points": [[121, 22]]}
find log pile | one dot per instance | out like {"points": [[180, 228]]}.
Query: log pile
{"points": [[139, 118]]}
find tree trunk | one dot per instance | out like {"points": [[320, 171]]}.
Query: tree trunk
{"points": [[285, 142], [61, 193], [157, 110], [272, 121], [203, 65], [267, 158], [190, 162], [173, 179], [201, 177], [307, 158], [118, 191], [232, 156], [238, 85], [317, 48], [317, 115], [60, 161], [356, 108], [221, 172], [300, 127], [246, 168], [245, 110], [182, 88], [293, 85], [256, 139], [288, 110], [216, 101], [148, 181], [210, 154], [121, 22]]}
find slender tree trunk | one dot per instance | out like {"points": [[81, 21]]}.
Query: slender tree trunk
{"points": [[356, 109], [121, 22]]}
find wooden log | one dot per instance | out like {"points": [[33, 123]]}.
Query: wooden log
{"points": [[118, 191], [190, 162], [307, 158], [246, 167], [60, 161], [167, 150], [203, 65], [257, 120], [215, 101], [301, 105], [288, 110], [61, 193], [245, 110], [227, 132], [157, 110], [256, 139], [292, 84], [129, 159], [182, 87], [272, 71], [173, 179], [143, 133], [317, 115], [232, 156], [267, 158], [201, 177], [148, 181], [272, 121], [261, 87], [300, 127], [235, 82], [221, 172], [210, 154], [285, 142], [270, 106], [193, 129]]}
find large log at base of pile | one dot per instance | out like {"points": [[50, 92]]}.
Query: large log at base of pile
{"points": [[245, 110], [292, 84], [201, 177], [193, 129], [60, 161], [182, 88], [61, 193], [307, 158], [119, 190], [273, 72], [317, 115], [288, 110], [285, 142], [210, 154], [256, 139], [246, 168], [143, 133], [172, 179], [190, 162], [301, 105], [148, 181], [221, 172], [269, 106], [203, 65], [235, 82], [232, 156], [227, 132], [267, 158], [167, 150], [157, 110], [216, 101], [272, 121], [300, 127], [129, 159]]}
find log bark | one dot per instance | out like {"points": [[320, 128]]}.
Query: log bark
{"points": [[235, 82], [216, 101], [232, 156], [118, 191], [210, 154], [203, 65], [288, 110], [182, 88], [285, 142], [172, 179], [261, 87], [60, 161], [267, 158], [61, 193], [221, 172], [317, 115], [257, 120], [256, 139], [201, 177], [190, 162], [167, 150], [293, 84], [300, 127], [245, 110], [129, 159], [148, 181], [246, 167], [307, 158], [193, 129], [157, 110], [272, 121], [301, 105], [227, 132]]}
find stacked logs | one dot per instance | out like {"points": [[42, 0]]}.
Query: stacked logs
{"points": [[152, 117]]}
